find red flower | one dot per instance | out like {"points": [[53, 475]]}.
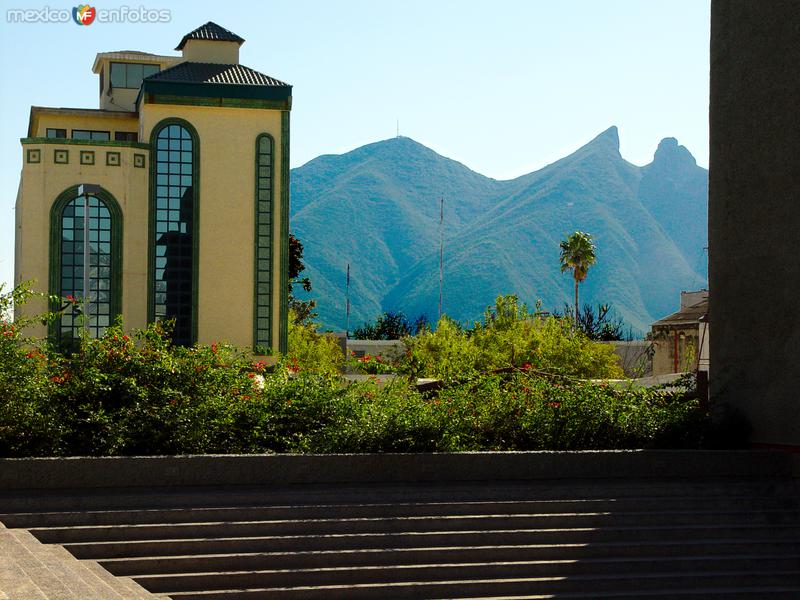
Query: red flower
{"points": [[555, 404], [214, 348], [71, 298], [526, 366]]}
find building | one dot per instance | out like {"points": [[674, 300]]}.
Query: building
{"points": [[186, 166], [680, 340]]}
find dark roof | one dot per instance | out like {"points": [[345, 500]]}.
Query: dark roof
{"points": [[210, 32], [685, 317], [194, 72]]}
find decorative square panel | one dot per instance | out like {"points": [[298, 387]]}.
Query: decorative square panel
{"points": [[34, 155], [87, 157], [61, 156], [113, 159], [138, 161]]}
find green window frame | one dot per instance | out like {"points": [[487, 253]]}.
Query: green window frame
{"points": [[90, 134], [66, 263], [283, 285], [126, 136], [263, 301], [130, 75], [174, 227]]}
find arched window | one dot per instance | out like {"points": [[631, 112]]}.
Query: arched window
{"points": [[76, 259], [263, 247], [173, 210]]}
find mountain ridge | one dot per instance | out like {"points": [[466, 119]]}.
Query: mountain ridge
{"points": [[377, 207]]}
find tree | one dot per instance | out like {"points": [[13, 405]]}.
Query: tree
{"points": [[303, 310], [577, 255], [391, 326], [604, 325]]}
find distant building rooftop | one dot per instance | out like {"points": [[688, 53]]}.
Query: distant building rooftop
{"points": [[686, 316]]}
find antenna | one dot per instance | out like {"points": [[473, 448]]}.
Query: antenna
{"points": [[347, 295], [441, 252]]}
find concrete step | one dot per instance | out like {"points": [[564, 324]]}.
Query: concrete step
{"points": [[514, 586], [486, 537], [408, 556], [328, 576], [585, 539], [300, 511], [441, 523]]}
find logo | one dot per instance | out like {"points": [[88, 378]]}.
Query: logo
{"points": [[84, 14]]}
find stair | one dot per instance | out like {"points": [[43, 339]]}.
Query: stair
{"points": [[30, 570], [615, 537]]}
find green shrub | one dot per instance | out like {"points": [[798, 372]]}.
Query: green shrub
{"points": [[524, 411], [136, 393], [311, 351], [29, 423], [510, 336]]}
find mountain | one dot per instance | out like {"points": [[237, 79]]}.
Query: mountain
{"points": [[377, 208]]}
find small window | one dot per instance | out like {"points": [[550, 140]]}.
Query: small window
{"points": [[86, 134], [130, 75], [126, 136], [57, 133]]}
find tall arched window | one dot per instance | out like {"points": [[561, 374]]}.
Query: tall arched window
{"points": [[76, 260], [173, 212], [262, 329]]}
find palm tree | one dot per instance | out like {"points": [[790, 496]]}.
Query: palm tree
{"points": [[577, 253]]}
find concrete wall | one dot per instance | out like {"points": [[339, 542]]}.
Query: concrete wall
{"points": [[635, 357], [754, 214], [688, 343], [386, 349], [209, 51], [286, 469]]}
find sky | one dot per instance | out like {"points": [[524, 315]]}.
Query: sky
{"points": [[505, 87]]}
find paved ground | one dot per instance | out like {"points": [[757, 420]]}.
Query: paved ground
{"points": [[30, 570]]}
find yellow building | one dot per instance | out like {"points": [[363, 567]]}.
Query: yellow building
{"points": [[186, 173]]}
